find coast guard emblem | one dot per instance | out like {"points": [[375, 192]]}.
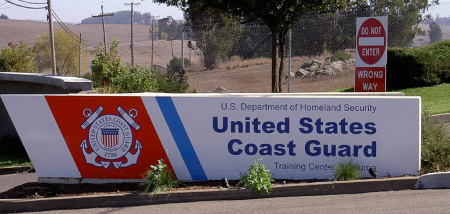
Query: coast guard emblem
{"points": [[110, 137]]}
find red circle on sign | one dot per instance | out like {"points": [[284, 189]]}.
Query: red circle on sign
{"points": [[371, 41]]}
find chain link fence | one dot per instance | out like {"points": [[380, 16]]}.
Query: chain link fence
{"points": [[319, 52]]}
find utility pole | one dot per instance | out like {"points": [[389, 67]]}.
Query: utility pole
{"points": [[103, 22], [132, 14], [52, 38], [153, 35], [79, 57]]}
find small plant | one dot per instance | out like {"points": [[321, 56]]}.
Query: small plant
{"points": [[435, 146], [175, 80], [258, 178], [159, 179], [346, 170], [340, 55]]}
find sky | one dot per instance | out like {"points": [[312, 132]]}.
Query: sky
{"points": [[443, 9], [73, 11]]}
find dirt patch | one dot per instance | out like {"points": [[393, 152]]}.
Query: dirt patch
{"points": [[41, 190], [257, 79]]}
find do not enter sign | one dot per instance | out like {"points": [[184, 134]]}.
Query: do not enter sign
{"points": [[371, 41]]}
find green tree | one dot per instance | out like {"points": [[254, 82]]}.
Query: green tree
{"points": [[172, 28], [277, 15], [66, 52], [215, 34], [17, 58], [435, 32], [253, 42], [403, 18]]}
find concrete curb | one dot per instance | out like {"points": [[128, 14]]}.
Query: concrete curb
{"points": [[441, 118], [435, 180], [123, 200], [69, 84]]}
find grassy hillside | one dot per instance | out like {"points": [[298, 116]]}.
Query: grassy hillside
{"points": [[27, 31]]}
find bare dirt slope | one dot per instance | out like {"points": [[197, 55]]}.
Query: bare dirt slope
{"points": [[27, 31], [257, 79]]}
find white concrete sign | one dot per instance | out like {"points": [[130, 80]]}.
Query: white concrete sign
{"points": [[206, 137]]}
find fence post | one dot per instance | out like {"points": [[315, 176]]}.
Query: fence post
{"points": [[182, 51], [79, 58], [289, 60]]}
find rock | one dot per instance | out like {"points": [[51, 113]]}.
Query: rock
{"points": [[292, 75], [333, 67], [311, 65], [301, 73], [220, 90], [315, 68]]}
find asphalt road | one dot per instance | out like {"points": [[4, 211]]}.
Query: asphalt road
{"points": [[407, 201], [12, 180]]}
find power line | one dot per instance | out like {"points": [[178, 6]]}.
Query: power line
{"points": [[18, 5], [32, 2], [64, 27]]}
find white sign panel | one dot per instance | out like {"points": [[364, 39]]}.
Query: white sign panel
{"points": [[300, 138]]}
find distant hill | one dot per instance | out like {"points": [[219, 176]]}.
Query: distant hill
{"points": [[121, 17]]}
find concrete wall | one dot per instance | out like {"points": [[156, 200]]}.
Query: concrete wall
{"points": [[34, 83]]}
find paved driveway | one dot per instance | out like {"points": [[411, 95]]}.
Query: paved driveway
{"points": [[12, 180]]}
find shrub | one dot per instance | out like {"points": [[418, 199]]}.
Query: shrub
{"points": [[106, 66], [259, 178], [175, 64], [340, 55], [175, 80], [435, 146], [17, 58], [435, 58], [418, 67], [135, 80], [159, 179], [346, 170], [403, 69]]}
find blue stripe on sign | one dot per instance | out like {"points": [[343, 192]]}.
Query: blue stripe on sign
{"points": [[181, 138]]}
